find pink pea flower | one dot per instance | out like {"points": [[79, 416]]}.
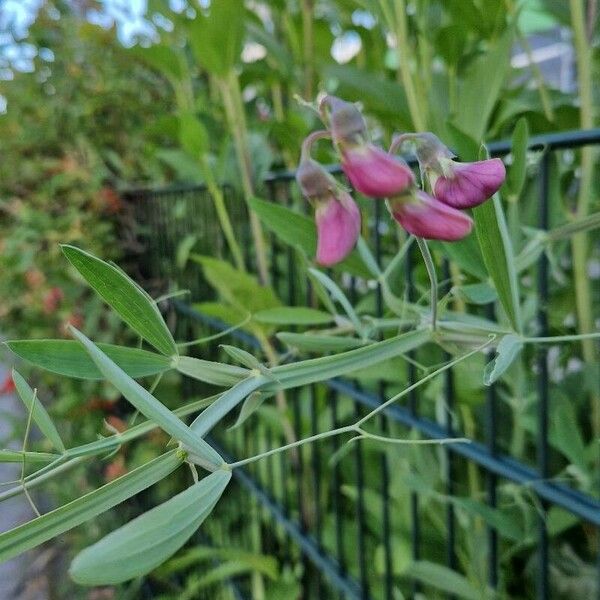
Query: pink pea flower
{"points": [[336, 214], [375, 173], [460, 185], [370, 170], [428, 218], [464, 185]]}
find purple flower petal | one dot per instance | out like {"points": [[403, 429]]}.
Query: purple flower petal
{"points": [[470, 184], [338, 227], [428, 218], [375, 173]]}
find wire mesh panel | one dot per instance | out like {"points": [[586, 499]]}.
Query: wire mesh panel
{"points": [[513, 513]]}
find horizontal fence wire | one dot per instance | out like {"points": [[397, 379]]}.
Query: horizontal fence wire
{"points": [[324, 523]]}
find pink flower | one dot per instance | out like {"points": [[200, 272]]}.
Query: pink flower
{"points": [[375, 173], [426, 217], [338, 228], [464, 185], [336, 214]]}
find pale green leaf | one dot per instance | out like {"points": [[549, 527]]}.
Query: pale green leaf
{"points": [[125, 297], [146, 403], [210, 372], [517, 172], [38, 412], [16, 456], [508, 349], [148, 540], [444, 579], [309, 342], [86, 507], [293, 315], [67, 357]]}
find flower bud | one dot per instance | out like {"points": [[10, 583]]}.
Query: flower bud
{"points": [[426, 217], [464, 185], [346, 122], [337, 216]]}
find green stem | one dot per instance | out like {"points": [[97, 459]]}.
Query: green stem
{"points": [[432, 278], [74, 456], [236, 121], [216, 194], [579, 245], [308, 46], [404, 53], [357, 427]]}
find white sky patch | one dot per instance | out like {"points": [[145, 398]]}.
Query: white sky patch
{"points": [[346, 47], [253, 51], [363, 18]]}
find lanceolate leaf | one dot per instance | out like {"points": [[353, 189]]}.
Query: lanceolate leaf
{"points": [[293, 315], [38, 412], [498, 256], [308, 371], [319, 343], [146, 403], [508, 349], [56, 522], [147, 541], [444, 579], [125, 297], [67, 357], [210, 372]]}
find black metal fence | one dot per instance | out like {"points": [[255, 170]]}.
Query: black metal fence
{"points": [[350, 528]]}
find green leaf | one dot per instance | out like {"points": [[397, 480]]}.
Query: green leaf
{"points": [[146, 403], [498, 255], [319, 343], [67, 357], [337, 295], [518, 170], [478, 293], [239, 289], [193, 135], [86, 507], [466, 254], [125, 297], [210, 372], [508, 349], [299, 231], [200, 554], [160, 57], [444, 579], [216, 38], [308, 371], [506, 525], [481, 86], [250, 405], [242, 356], [206, 420], [292, 315], [148, 540], [38, 413], [16, 456], [327, 367]]}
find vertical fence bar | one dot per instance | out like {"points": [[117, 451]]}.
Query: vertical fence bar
{"points": [[415, 535], [491, 479], [385, 477], [360, 486], [542, 379], [450, 459], [332, 400]]}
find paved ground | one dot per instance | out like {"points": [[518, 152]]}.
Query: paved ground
{"points": [[18, 579]]}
